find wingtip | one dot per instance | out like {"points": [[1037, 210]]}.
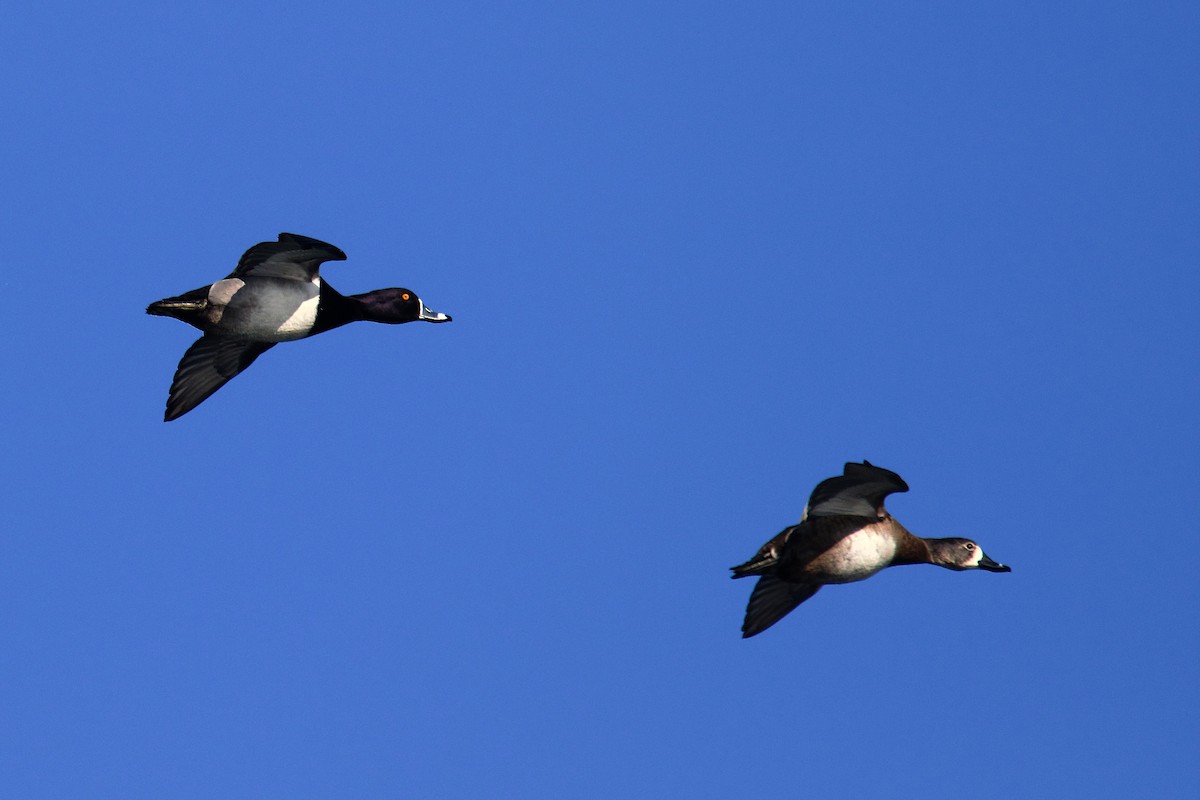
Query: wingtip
{"points": [[335, 252]]}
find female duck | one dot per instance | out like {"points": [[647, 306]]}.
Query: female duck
{"points": [[276, 294], [844, 535]]}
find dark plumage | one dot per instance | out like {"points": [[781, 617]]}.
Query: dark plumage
{"points": [[845, 535], [276, 294]]}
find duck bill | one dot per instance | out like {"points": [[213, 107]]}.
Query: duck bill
{"points": [[993, 566], [429, 315]]}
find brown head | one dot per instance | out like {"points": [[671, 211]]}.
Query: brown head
{"points": [[959, 554]]}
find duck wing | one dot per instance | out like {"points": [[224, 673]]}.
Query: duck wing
{"points": [[858, 492], [772, 599], [293, 256], [208, 365]]}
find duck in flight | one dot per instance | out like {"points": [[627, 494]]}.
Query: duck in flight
{"points": [[845, 535], [276, 294]]}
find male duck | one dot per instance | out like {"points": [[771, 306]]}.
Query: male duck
{"points": [[275, 295], [844, 535]]}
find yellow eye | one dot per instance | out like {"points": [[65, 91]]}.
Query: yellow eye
{"points": [[405, 296]]}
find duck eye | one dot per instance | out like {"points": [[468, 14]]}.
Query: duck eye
{"points": [[970, 546], [405, 296]]}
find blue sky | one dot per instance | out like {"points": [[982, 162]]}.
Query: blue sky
{"points": [[697, 256]]}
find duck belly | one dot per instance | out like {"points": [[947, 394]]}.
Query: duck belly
{"points": [[856, 557], [270, 309]]}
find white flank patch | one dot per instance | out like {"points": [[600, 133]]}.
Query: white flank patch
{"points": [[301, 321], [863, 553]]}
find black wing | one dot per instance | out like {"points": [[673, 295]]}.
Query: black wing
{"points": [[771, 601], [293, 256], [207, 366], [858, 492]]}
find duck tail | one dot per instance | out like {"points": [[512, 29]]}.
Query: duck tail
{"points": [[767, 557], [185, 307], [755, 566]]}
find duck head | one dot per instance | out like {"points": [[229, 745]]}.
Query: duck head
{"points": [[395, 306], [959, 554]]}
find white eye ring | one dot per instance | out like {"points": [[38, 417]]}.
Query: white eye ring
{"points": [[969, 546]]}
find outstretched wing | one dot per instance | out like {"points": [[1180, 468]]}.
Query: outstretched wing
{"points": [[771, 601], [293, 256], [858, 492], [207, 366]]}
